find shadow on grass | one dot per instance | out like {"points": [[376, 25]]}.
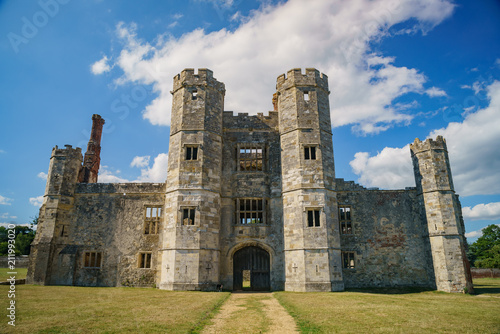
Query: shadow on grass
{"points": [[391, 290], [482, 289]]}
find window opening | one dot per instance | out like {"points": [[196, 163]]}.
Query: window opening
{"points": [[152, 219], [145, 260], [250, 211], [194, 94], [250, 158], [306, 96], [345, 220], [92, 259], [348, 260], [191, 152], [313, 218], [188, 216], [310, 152]]}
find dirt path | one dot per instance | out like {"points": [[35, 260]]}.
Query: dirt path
{"points": [[250, 312]]}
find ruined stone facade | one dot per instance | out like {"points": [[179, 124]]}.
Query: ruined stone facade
{"points": [[250, 202]]}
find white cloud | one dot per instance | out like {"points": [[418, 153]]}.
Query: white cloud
{"points": [[490, 211], [140, 161], [42, 175], [108, 176], [155, 173], [476, 234], [473, 151], [5, 200], [158, 172], [332, 36], [389, 169], [101, 66], [7, 216], [497, 62], [36, 201], [435, 92]]}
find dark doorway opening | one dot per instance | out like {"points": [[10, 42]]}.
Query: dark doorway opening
{"points": [[251, 269]]}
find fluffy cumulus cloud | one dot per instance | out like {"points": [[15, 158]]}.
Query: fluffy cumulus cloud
{"points": [[475, 234], [140, 161], [333, 36], [36, 201], [435, 92], [101, 66], [474, 155], [5, 200], [389, 169], [42, 175], [156, 173], [490, 211]]}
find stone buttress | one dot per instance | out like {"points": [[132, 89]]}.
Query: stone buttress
{"points": [[311, 236], [189, 241], [443, 213]]}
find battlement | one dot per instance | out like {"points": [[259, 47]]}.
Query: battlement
{"points": [[204, 77], [294, 77], [429, 144], [244, 121], [67, 151]]}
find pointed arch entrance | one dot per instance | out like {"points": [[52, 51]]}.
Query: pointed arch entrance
{"points": [[251, 269]]}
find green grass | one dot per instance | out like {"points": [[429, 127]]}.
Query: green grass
{"points": [[397, 311], [21, 273], [60, 309]]}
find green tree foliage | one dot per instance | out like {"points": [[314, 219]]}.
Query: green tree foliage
{"points": [[24, 237], [485, 252]]}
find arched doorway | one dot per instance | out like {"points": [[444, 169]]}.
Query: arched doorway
{"points": [[251, 269]]}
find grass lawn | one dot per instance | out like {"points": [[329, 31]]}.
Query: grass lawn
{"points": [[61, 309], [21, 273], [397, 311]]}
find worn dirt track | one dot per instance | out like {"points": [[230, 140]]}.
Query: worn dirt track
{"points": [[251, 312]]}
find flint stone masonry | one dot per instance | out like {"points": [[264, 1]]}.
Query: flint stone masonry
{"points": [[249, 197]]}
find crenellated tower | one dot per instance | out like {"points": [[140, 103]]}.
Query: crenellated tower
{"points": [[311, 232], [189, 248], [55, 213], [443, 213]]}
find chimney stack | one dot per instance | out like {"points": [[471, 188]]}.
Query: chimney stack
{"points": [[92, 160]]}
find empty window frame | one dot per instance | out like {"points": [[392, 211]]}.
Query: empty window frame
{"points": [[144, 260], [310, 152], [191, 152], [313, 217], [306, 96], [188, 216], [250, 211], [92, 259], [194, 94], [250, 158], [348, 260], [345, 219], [152, 219]]}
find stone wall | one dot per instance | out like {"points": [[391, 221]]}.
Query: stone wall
{"points": [[389, 238]]}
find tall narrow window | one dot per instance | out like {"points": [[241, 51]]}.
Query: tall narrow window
{"points": [[348, 260], [306, 96], [313, 218], [250, 211], [188, 216], [192, 152], [152, 219], [92, 259], [145, 260], [194, 94], [345, 220], [250, 158], [310, 152]]}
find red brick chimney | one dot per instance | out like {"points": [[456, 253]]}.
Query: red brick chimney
{"points": [[92, 159]]}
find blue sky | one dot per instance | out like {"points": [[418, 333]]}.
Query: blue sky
{"points": [[397, 70]]}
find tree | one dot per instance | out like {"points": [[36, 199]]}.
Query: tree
{"points": [[24, 235], [486, 250]]}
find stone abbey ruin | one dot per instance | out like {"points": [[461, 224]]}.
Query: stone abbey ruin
{"points": [[250, 202]]}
